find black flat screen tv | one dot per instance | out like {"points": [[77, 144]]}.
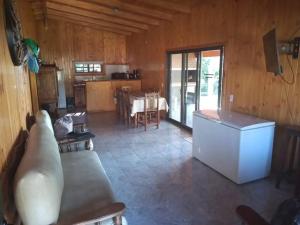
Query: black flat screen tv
{"points": [[271, 53]]}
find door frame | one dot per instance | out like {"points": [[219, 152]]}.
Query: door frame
{"points": [[184, 52]]}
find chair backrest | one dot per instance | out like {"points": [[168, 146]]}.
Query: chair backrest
{"points": [[125, 98], [291, 143], [151, 102], [7, 177], [126, 88]]}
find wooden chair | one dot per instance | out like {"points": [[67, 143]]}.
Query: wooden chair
{"points": [[7, 178], [290, 157], [151, 114], [124, 97], [249, 216], [126, 109], [289, 169], [125, 102], [119, 101]]}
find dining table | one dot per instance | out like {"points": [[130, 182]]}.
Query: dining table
{"points": [[137, 101]]}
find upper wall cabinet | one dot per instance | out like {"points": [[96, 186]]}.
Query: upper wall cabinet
{"points": [[114, 49]]}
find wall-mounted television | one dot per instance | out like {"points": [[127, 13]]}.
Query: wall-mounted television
{"points": [[272, 53]]}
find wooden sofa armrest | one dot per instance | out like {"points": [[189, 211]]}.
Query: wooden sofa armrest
{"points": [[113, 211], [249, 216]]}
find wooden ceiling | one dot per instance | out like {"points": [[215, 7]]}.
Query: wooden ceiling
{"points": [[119, 16]]}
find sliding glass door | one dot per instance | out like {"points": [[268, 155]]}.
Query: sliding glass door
{"points": [[175, 85], [194, 82], [210, 82], [190, 85]]}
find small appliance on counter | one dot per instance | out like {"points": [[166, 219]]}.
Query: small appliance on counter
{"points": [[126, 76], [119, 76]]}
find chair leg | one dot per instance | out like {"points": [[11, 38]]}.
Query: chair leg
{"points": [[135, 120], [145, 121], [128, 121], [279, 179], [117, 220], [158, 119]]}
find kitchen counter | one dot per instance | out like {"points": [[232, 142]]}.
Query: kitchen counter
{"points": [[100, 93], [112, 80]]}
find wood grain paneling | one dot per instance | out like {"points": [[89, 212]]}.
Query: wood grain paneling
{"points": [[100, 94], [239, 26], [47, 86], [15, 97], [34, 93], [63, 42], [135, 85]]}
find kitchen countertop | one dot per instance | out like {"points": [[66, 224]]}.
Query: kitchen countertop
{"points": [[111, 80], [83, 83]]}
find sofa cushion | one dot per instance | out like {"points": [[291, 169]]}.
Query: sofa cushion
{"points": [[39, 179], [87, 188], [42, 117]]}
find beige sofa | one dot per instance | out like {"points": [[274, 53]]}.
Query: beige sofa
{"points": [[71, 188]]}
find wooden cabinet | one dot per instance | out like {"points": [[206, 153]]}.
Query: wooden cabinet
{"points": [[114, 49], [47, 85], [79, 95], [100, 94]]}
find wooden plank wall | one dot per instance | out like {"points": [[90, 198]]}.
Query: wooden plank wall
{"points": [[15, 98], [64, 42], [239, 25]]}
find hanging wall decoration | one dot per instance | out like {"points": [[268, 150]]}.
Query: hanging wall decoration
{"points": [[14, 37], [21, 50]]}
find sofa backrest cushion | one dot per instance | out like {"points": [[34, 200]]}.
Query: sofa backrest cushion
{"points": [[39, 179], [42, 117]]}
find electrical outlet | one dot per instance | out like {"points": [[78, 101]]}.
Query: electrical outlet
{"points": [[231, 98]]}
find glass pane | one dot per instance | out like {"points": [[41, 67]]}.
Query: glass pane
{"points": [[175, 87], [85, 67], [190, 95], [91, 67], [209, 83]]}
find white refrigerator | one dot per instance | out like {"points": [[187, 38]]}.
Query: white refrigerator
{"points": [[236, 145]]}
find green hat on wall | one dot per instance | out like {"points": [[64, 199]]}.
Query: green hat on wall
{"points": [[33, 46]]}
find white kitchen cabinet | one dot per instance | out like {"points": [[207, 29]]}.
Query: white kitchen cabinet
{"points": [[236, 145]]}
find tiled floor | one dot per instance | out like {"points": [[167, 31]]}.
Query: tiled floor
{"points": [[154, 174]]}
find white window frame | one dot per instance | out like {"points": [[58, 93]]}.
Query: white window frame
{"points": [[88, 67]]}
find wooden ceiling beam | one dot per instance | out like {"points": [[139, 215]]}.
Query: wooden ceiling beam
{"points": [[182, 7], [45, 13], [135, 9], [84, 24], [115, 12], [91, 21], [81, 12]]}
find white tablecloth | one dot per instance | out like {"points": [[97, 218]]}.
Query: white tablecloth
{"points": [[137, 104]]}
